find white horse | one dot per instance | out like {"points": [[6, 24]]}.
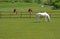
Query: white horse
{"points": [[44, 14]]}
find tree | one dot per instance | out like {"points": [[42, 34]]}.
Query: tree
{"points": [[56, 4], [49, 1], [33, 1]]}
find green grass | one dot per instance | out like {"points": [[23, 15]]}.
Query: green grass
{"points": [[28, 28]]}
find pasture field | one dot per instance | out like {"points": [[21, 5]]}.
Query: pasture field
{"points": [[27, 28]]}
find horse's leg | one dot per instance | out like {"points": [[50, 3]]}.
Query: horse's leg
{"points": [[37, 17], [45, 18], [30, 14]]}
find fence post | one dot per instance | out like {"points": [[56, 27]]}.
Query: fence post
{"points": [[21, 14], [50, 15], [0, 15]]}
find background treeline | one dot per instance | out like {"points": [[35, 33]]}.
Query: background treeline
{"points": [[54, 3], [27, 1]]}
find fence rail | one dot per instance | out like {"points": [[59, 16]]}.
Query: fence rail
{"points": [[25, 15]]}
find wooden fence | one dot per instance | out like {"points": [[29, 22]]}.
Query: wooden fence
{"points": [[56, 15]]}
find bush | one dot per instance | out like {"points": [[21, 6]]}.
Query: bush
{"points": [[57, 5], [28, 1]]}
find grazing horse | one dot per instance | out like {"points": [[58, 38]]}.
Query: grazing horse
{"points": [[15, 11], [30, 12], [44, 14]]}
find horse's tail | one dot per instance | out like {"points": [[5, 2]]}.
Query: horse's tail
{"points": [[48, 18]]}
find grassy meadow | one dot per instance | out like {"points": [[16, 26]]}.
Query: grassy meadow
{"points": [[28, 28]]}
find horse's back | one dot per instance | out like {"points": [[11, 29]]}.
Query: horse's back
{"points": [[42, 13]]}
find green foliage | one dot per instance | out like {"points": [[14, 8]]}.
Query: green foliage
{"points": [[28, 1], [57, 5], [38, 1]]}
